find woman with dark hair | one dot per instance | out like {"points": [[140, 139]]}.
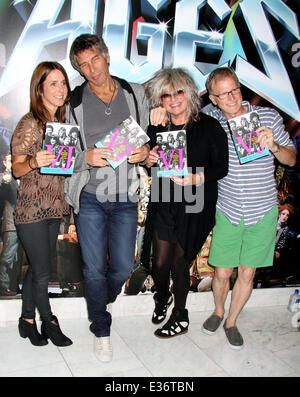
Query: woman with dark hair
{"points": [[40, 202], [181, 228]]}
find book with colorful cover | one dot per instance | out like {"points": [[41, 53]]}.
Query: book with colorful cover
{"points": [[61, 139], [245, 137], [172, 153], [123, 139]]}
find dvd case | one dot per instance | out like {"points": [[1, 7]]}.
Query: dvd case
{"points": [[61, 139], [123, 139], [172, 159], [245, 137]]}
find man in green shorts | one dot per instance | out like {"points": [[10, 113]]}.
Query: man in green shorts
{"points": [[246, 218]]}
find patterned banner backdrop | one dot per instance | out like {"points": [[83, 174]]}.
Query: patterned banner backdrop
{"points": [[260, 39]]}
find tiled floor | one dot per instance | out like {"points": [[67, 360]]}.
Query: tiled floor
{"points": [[272, 349]]}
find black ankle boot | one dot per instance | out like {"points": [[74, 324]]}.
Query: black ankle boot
{"points": [[28, 330], [177, 324], [53, 332]]}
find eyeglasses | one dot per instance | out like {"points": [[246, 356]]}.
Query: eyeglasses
{"points": [[175, 94], [225, 95]]}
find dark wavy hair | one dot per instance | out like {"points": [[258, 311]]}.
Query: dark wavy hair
{"points": [[83, 42], [37, 106]]}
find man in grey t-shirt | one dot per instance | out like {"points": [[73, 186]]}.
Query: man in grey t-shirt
{"points": [[106, 221]]}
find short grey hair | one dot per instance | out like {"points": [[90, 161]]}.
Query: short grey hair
{"points": [[85, 42], [219, 74], [174, 79]]}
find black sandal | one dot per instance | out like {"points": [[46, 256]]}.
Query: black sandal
{"points": [[177, 324], [160, 310]]}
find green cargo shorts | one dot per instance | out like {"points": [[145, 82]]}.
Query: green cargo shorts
{"points": [[251, 246]]}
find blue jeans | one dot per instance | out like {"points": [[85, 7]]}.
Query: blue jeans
{"points": [[107, 236]]}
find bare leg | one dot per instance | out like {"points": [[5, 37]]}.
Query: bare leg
{"points": [[220, 287], [240, 294], [29, 320]]}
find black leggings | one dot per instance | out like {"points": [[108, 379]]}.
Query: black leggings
{"points": [[39, 242], [169, 261]]}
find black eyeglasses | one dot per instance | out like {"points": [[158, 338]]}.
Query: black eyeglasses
{"points": [[225, 95], [176, 94]]}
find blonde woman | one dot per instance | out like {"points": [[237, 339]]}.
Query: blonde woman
{"points": [[178, 235]]}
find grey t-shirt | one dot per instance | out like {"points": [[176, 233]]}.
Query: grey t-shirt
{"points": [[106, 182]]}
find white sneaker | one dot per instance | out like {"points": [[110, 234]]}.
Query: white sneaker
{"points": [[103, 349]]}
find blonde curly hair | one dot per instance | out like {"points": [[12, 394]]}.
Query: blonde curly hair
{"points": [[174, 79]]}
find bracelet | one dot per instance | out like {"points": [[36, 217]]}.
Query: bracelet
{"points": [[201, 181], [278, 150], [30, 164]]}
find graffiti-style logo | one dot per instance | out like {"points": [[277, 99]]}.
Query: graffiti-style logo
{"points": [[205, 34]]}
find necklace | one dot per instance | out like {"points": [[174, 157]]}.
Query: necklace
{"points": [[107, 105], [177, 126]]}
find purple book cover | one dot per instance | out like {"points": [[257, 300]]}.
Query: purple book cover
{"points": [[123, 139], [245, 137], [172, 159], [61, 139]]}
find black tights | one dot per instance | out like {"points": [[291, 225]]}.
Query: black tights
{"points": [[169, 261], [39, 242]]}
